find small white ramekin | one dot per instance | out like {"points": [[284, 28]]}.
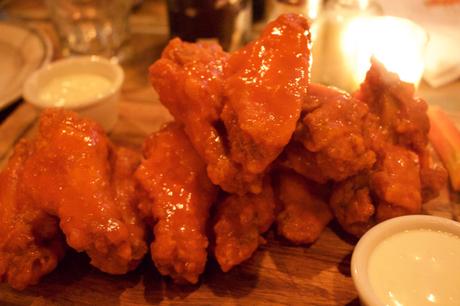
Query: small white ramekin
{"points": [[103, 110], [367, 244]]}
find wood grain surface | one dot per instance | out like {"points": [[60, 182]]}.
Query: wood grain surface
{"points": [[278, 273]]}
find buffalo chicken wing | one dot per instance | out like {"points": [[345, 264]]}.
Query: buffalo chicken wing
{"points": [[181, 194], [239, 110], [31, 243], [77, 175]]}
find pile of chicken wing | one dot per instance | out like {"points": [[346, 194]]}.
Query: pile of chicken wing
{"points": [[254, 144]]}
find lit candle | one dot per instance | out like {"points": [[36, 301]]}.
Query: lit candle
{"points": [[308, 8], [396, 42], [346, 39], [330, 64]]}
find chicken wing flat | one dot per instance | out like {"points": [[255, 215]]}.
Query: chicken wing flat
{"points": [[31, 243], [302, 161], [304, 213], [76, 174], [402, 116], [399, 118], [403, 176], [391, 189], [238, 110], [332, 134], [396, 183], [352, 205], [239, 222], [262, 98], [189, 80], [181, 194]]}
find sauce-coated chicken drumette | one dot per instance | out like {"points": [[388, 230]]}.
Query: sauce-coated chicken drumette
{"points": [[71, 182]]}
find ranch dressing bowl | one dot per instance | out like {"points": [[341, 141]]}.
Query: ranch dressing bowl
{"points": [[409, 261], [89, 85]]}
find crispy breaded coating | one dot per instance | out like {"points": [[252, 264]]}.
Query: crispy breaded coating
{"points": [[76, 174], [402, 120], [189, 80], [239, 110], [239, 222], [31, 243], [330, 142], [402, 117], [403, 177], [396, 183], [262, 98], [352, 205], [303, 212], [181, 195]]}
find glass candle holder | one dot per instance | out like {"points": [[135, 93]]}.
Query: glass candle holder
{"points": [[398, 43], [308, 8], [329, 62]]}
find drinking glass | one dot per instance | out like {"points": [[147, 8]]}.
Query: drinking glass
{"points": [[91, 26], [227, 21]]}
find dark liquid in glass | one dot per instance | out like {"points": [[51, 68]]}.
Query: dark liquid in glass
{"points": [[228, 21], [258, 10]]}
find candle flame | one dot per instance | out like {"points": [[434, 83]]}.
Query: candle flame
{"points": [[363, 4], [397, 43]]}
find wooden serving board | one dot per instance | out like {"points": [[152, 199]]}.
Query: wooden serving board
{"points": [[277, 274]]}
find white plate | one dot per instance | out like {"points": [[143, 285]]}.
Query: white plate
{"points": [[22, 51]]}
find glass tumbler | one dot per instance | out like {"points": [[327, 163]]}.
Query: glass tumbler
{"points": [[91, 26], [227, 21]]}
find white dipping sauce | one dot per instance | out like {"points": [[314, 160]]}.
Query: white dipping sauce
{"points": [[417, 268], [70, 89]]}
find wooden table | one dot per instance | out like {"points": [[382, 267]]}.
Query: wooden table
{"points": [[277, 274]]}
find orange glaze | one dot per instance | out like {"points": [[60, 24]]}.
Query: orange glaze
{"points": [[30, 242], [239, 223], [303, 212], [334, 143], [76, 174], [181, 194], [238, 109], [397, 183], [267, 80]]}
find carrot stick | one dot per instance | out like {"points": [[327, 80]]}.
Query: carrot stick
{"points": [[445, 138]]}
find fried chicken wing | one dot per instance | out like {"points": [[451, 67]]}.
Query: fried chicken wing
{"points": [[391, 189], [302, 161], [402, 116], [189, 80], [304, 213], [401, 120], [76, 174], [31, 243], [239, 222], [238, 110], [396, 183], [352, 205], [263, 99], [181, 195], [331, 131], [403, 177]]}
